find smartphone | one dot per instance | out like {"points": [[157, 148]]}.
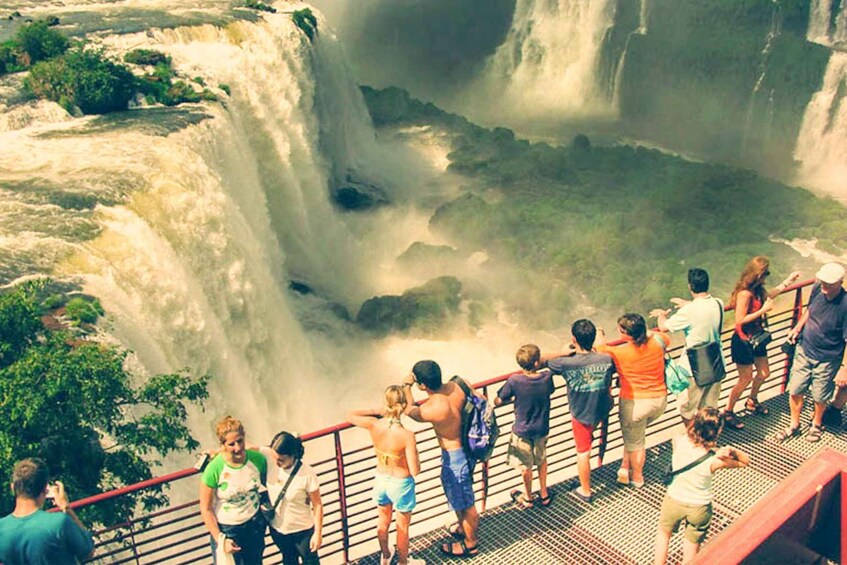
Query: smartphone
{"points": [[51, 491], [202, 461]]}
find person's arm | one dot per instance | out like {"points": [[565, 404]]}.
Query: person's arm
{"points": [[364, 418], [661, 316], [318, 511], [729, 458], [412, 458], [741, 305], [777, 290], [504, 395], [207, 497], [412, 410], [78, 536], [794, 333], [841, 375]]}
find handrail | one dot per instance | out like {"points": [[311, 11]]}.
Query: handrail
{"points": [[346, 476]]}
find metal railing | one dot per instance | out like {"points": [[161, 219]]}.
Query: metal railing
{"points": [[177, 534]]}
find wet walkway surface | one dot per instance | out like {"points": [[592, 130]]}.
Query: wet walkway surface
{"points": [[619, 526]]}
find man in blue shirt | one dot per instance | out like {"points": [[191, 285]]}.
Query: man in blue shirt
{"points": [[819, 358], [31, 536]]}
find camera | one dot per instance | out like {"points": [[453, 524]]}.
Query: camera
{"points": [[202, 461]]}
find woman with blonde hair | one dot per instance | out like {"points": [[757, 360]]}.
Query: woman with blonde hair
{"points": [[229, 496], [640, 363], [752, 301], [396, 465], [689, 496]]}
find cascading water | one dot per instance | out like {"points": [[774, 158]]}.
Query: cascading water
{"points": [[548, 64], [765, 121]]}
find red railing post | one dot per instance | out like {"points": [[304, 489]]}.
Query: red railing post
{"points": [[796, 312], [342, 496], [484, 468]]}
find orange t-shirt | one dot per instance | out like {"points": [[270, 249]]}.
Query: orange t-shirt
{"points": [[641, 369]]}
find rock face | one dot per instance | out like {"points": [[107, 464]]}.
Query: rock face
{"points": [[357, 195], [425, 309]]}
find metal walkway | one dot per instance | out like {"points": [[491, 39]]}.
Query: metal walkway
{"points": [[620, 525]]}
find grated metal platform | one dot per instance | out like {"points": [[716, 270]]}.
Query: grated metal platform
{"points": [[620, 525]]}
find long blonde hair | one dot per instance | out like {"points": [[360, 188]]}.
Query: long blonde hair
{"points": [[752, 278], [395, 401]]}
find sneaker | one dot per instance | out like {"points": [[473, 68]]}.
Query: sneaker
{"points": [[832, 417], [387, 560], [412, 561]]}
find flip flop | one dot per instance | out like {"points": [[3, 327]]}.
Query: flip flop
{"points": [[545, 500], [520, 501], [455, 530], [447, 549]]}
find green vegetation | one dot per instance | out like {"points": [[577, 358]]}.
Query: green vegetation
{"points": [[146, 57], [32, 43], [306, 21], [424, 309], [160, 86], [616, 227], [69, 400], [82, 311], [261, 6]]}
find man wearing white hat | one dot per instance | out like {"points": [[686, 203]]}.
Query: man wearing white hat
{"points": [[819, 358]]}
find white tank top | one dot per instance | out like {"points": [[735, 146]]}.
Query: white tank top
{"points": [[693, 486]]}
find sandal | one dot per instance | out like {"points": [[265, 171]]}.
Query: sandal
{"points": [[463, 550], [814, 433], [455, 530], [545, 500], [520, 500], [756, 407], [731, 420], [789, 433]]}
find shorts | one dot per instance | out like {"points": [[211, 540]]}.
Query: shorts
{"points": [[582, 435], [743, 353], [399, 491], [457, 479], [526, 453], [697, 518], [636, 414], [692, 399], [807, 373]]}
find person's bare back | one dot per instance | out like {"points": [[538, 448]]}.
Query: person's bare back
{"points": [[443, 410]]}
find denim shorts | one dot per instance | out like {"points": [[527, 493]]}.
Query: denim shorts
{"points": [[457, 479], [399, 491], [807, 373]]}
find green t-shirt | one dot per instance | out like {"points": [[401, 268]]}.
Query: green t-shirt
{"points": [[236, 488], [43, 538]]}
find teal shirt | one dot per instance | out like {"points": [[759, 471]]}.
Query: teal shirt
{"points": [[43, 538]]}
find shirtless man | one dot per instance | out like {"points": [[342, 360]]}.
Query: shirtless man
{"points": [[443, 409]]}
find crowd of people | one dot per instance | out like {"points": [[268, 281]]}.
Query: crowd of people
{"points": [[247, 490]]}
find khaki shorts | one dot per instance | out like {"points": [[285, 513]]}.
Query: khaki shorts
{"points": [[692, 399], [525, 454], [697, 519], [636, 414]]}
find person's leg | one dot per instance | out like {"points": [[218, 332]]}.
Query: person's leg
{"points": [[763, 371], [289, 550], [583, 468], [542, 480], [403, 521], [250, 537], [646, 411], [636, 460], [660, 552], [670, 516], [302, 541], [539, 458], [470, 523], [698, 518], [630, 430], [745, 375], [382, 524], [795, 406], [689, 550], [526, 475]]}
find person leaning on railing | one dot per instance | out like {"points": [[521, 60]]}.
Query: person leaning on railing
{"points": [[751, 302], [229, 496], [397, 463], [640, 363]]}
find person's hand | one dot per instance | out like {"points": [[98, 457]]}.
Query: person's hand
{"points": [[725, 453], [792, 337], [656, 312], [316, 541], [791, 277], [410, 379], [59, 496], [767, 306], [841, 377], [230, 546], [679, 302]]}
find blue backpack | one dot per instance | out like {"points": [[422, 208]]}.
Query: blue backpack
{"points": [[479, 426]]}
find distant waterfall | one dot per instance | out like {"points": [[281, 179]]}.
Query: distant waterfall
{"points": [[825, 27], [822, 144], [197, 232], [549, 61], [760, 112]]}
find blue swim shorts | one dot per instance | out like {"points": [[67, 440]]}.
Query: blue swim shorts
{"points": [[457, 479], [399, 491]]}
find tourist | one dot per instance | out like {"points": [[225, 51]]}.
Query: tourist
{"points": [[31, 535], [751, 302], [689, 496], [397, 464], [297, 525], [641, 366], [588, 375], [700, 319], [443, 410], [531, 389], [818, 365], [229, 496]]}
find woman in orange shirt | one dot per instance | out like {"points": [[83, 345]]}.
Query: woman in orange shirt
{"points": [[640, 363]]}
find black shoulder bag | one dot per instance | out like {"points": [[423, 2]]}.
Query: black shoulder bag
{"points": [[706, 361], [669, 474], [269, 511]]}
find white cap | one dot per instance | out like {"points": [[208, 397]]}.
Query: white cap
{"points": [[830, 273]]}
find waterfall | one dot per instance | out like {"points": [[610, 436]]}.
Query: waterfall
{"points": [[750, 122], [822, 144], [198, 228], [548, 63], [825, 27], [643, 17]]}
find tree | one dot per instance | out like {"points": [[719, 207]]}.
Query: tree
{"points": [[39, 42], [69, 400]]}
